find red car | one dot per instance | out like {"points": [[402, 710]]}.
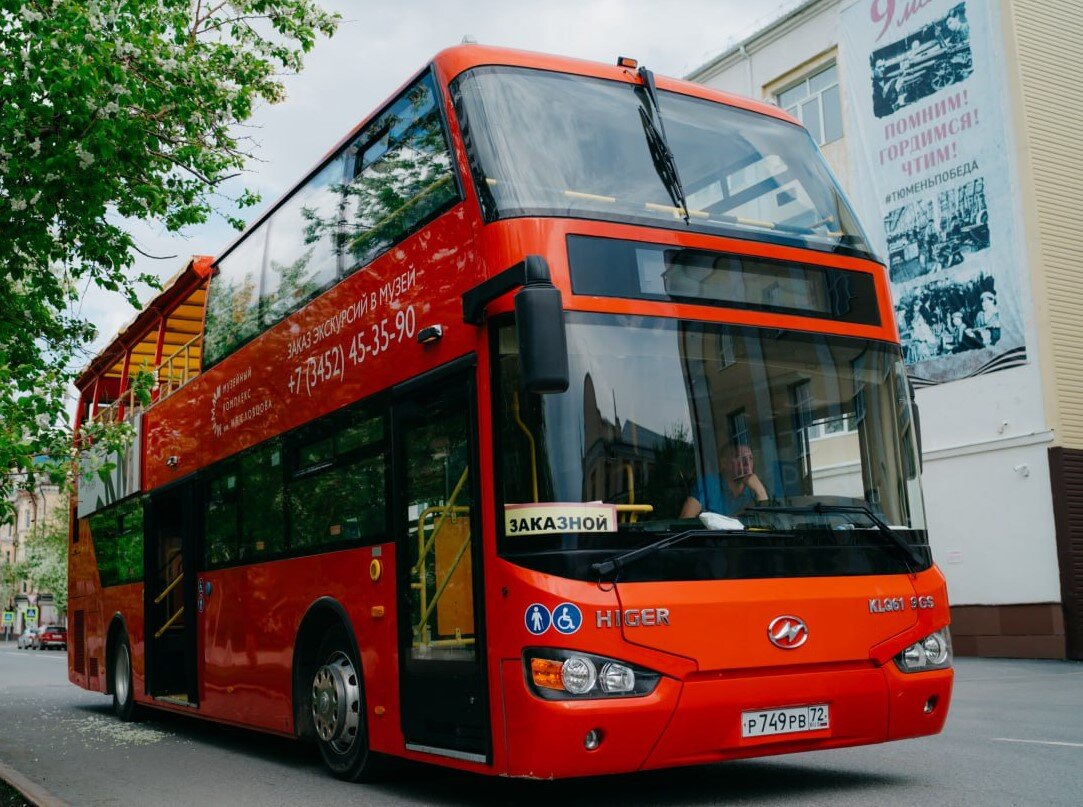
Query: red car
{"points": [[52, 636]]}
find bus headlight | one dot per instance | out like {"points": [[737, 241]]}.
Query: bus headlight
{"points": [[566, 674], [931, 653], [578, 674]]}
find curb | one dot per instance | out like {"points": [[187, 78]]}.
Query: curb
{"points": [[32, 791]]}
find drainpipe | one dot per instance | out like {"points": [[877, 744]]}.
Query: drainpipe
{"points": [[748, 66]]}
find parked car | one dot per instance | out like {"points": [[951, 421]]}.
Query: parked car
{"points": [[27, 637], [52, 636]]}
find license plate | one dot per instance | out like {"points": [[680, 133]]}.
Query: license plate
{"points": [[796, 719]]}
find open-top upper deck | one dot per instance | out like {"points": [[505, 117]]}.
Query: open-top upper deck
{"points": [[165, 338]]}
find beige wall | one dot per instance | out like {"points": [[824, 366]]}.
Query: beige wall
{"points": [[1046, 79]]}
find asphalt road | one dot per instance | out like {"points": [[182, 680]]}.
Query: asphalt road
{"points": [[1015, 736]]}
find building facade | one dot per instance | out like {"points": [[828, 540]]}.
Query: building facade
{"points": [[954, 127], [34, 510]]}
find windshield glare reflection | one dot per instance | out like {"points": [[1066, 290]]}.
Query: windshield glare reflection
{"points": [[669, 422], [553, 144]]}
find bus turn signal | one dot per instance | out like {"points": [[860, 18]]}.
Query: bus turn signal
{"points": [[546, 673]]}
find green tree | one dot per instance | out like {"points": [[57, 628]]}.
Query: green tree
{"points": [[11, 579], [46, 564], [113, 111]]}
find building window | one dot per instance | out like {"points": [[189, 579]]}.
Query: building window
{"points": [[738, 428], [815, 102]]}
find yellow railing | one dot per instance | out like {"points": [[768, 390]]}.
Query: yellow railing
{"points": [[169, 623], [444, 514], [120, 409], [169, 588], [175, 371], [169, 376]]}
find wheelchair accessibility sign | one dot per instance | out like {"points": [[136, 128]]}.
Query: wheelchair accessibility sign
{"points": [[566, 618]]}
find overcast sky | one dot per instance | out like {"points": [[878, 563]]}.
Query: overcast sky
{"points": [[380, 45]]}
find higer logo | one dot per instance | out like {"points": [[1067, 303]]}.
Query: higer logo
{"points": [[787, 632]]}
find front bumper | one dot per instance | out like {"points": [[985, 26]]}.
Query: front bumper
{"points": [[698, 720]]}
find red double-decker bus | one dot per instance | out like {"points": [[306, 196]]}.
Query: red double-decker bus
{"points": [[556, 402]]}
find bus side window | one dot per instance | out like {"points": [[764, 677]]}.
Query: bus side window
{"points": [[262, 506], [103, 534], [338, 491], [222, 516], [402, 175]]}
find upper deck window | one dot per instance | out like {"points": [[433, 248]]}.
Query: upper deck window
{"points": [[553, 144], [609, 267], [389, 181]]}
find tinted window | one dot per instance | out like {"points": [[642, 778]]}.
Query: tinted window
{"points": [[262, 492], [303, 251], [327, 480], [610, 268], [389, 181], [401, 174], [117, 533], [222, 523], [233, 299], [341, 504], [338, 493]]}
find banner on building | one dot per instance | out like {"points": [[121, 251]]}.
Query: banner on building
{"points": [[933, 179]]}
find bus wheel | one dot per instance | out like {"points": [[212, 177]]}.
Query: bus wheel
{"points": [[120, 670], [337, 704]]}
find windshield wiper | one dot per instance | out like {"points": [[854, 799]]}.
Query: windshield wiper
{"points": [[911, 558], [658, 145], [620, 561]]}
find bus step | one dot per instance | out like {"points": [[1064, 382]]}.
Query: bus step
{"points": [[180, 699]]}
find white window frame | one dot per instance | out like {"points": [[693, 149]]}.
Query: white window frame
{"points": [[795, 109]]}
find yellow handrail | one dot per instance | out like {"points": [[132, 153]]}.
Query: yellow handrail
{"points": [[169, 588], [172, 374], [630, 478], [425, 546], [169, 623], [440, 589], [169, 376], [530, 439]]}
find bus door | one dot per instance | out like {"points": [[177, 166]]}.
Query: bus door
{"points": [[443, 694], [170, 594]]}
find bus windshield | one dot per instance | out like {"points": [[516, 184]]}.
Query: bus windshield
{"points": [[795, 450], [553, 144]]}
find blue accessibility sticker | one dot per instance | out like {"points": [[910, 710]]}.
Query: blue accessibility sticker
{"points": [[537, 618], [567, 618]]}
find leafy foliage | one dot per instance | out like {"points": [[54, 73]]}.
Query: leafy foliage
{"points": [[11, 578], [47, 558], [112, 111]]}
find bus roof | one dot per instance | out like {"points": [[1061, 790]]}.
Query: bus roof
{"points": [[180, 301]]}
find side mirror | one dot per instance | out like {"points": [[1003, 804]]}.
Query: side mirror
{"points": [[543, 344], [539, 318]]}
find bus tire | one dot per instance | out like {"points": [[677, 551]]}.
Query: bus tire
{"points": [[120, 679], [336, 702]]}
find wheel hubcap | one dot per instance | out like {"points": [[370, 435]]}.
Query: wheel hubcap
{"points": [[336, 702], [122, 675]]}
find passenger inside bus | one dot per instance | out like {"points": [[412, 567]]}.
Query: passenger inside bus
{"points": [[735, 486]]}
